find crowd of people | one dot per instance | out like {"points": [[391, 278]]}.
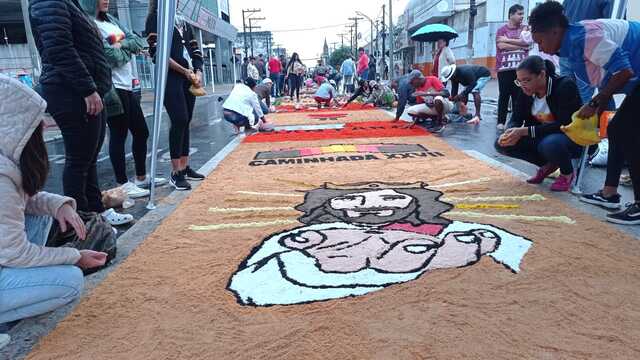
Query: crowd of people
{"points": [[548, 72]]}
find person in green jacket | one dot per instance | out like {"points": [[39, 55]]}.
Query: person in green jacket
{"points": [[123, 106]]}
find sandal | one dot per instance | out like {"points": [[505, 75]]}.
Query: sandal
{"points": [[116, 219]]}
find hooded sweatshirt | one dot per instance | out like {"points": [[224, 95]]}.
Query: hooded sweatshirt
{"points": [[21, 111]]}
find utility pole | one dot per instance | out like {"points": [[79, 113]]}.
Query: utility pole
{"points": [[391, 45], [355, 19], [342, 35], [351, 33], [473, 11], [246, 12], [384, 36], [251, 27]]}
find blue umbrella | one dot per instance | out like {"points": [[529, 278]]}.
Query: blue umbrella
{"points": [[434, 32]]}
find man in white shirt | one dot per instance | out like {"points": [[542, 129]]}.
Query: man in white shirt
{"points": [[252, 70], [242, 108]]}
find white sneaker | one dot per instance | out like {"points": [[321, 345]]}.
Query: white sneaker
{"points": [[147, 182], [501, 127], [5, 339], [115, 219], [134, 191]]}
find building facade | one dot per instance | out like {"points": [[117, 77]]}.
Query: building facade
{"points": [[210, 18], [255, 43]]}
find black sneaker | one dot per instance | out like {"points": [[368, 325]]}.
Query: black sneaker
{"points": [[629, 216], [611, 202], [179, 182], [190, 174]]}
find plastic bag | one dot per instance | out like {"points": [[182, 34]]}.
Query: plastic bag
{"points": [[602, 154], [114, 198], [583, 132]]}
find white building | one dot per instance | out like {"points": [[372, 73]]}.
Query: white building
{"points": [[491, 15]]}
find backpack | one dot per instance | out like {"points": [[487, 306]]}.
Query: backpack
{"points": [[100, 237]]}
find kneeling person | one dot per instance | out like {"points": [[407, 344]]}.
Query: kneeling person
{"points": [[432, 101], [242, 108], [473, 77], [325, 93], [544, 103]]}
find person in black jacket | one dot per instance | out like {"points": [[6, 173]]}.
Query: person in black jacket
{"points": [[363, 90], [75, 78], [545, 102], [185, 69]]}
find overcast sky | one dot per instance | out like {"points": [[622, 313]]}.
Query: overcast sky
{"points": [[307, 14]]}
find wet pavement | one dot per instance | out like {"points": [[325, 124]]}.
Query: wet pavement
{"points": [[209, 134]]}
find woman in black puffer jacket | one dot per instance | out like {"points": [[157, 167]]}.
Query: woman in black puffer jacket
{"points": [[75, 78]]}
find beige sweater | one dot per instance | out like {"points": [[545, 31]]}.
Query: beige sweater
{"points": [[21, 111]]}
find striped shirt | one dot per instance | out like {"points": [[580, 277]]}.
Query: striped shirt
{"points": [[598, 49]]}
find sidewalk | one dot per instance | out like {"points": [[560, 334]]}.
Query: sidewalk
{"points": [[52, 132]]}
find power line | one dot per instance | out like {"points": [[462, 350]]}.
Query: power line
{"points": [[310, 29]]}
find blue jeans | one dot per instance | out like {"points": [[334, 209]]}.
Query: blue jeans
{"points": [[264, 107], [365, 75], [555, 149], [27, 292], [274, 88], [238, 119]]}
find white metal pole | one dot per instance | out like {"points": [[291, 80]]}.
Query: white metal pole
{"points": [[235, 75], [213, 79], [33, 50], [166, 16], [201, 44]]}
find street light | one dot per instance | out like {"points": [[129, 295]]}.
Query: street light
{"points": [[210, 47]]}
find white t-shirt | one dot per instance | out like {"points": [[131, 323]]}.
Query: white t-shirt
{"points": [[185, 52], [122, 77], [540, 110]]}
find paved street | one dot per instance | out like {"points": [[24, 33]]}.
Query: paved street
{"points": [[209, 134]]}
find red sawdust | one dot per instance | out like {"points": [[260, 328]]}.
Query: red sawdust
{"points": [[372, 129], [351, 107]]}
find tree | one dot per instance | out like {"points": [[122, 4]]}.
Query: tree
{"points": [[338, 56]]}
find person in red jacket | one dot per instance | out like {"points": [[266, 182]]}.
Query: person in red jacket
{"points": [[363, 65], [275, 67]]}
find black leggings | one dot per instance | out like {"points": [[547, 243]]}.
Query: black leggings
{"points": [[179, 103], [295, 81], [119, 126], [508, 90], [624, 142], [83, 137]]}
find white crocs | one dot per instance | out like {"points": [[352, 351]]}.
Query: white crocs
{"points": [[115, 219]]}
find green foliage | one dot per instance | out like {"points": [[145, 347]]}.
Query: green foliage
{"points": [[338, 56]]}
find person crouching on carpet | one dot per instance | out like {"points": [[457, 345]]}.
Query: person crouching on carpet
{"points": [[34, 279], [242, 108], [364, 91], [543, 104], [325, 93]]}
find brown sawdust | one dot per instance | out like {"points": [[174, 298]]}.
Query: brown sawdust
{"points": [[576, 297]]}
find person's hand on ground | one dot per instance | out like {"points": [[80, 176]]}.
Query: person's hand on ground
{"points": [[94, 104], [91, 259], [586, 111], [66, 215]]}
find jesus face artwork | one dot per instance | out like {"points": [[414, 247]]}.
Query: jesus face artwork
{"points": [[361, 238]]}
